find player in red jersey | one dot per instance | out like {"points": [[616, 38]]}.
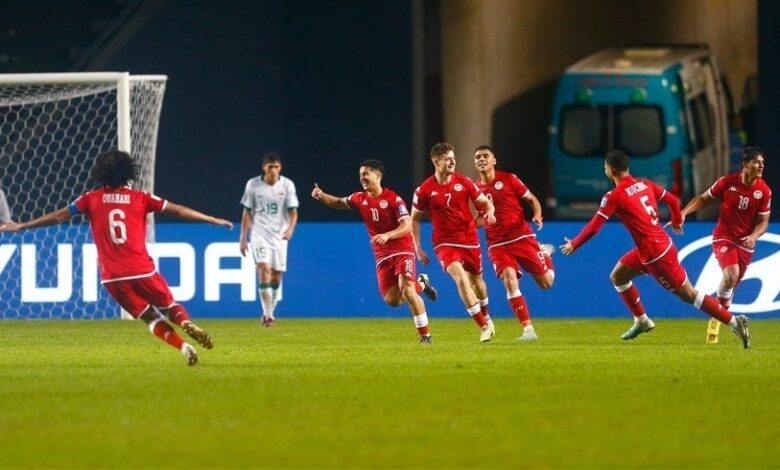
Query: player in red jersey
{"points": [[634, 200], [511, 242], [117, 216], [389, 228], [745, 205], [445, 196]]}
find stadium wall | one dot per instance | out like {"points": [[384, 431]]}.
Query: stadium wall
{"points": [[331, 274]]}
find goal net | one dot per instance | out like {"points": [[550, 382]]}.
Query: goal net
{"points": [[52, 127]]}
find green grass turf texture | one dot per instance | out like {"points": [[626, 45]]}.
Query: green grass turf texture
{"points": [[363, 393]]}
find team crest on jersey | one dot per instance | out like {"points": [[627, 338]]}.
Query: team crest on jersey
{"points": [[724, 249], [498, 185], [758, 194], [458, 187], [383, 204]]}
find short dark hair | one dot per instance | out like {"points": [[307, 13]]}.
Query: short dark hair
{"points": [[442, 148], [374, 165], [617, 159], [271, 156], [485, 147], [114, 169], [751, 153]]}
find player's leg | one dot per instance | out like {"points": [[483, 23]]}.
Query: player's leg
{"points": [[621, 276], [725, 293], [480, 289], [278, 268], [710, 306], [509, 277], [466, 292], [408, 290], [155, 290], [729, 261], [265, 292], [125, 293], [262, 253]]}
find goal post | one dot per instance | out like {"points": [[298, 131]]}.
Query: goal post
{"points": [[52, 127]]}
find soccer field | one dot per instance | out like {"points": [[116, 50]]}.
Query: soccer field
{"points": [[363, 393]]}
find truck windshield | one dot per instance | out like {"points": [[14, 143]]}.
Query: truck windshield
{"points": [[590, 131]]}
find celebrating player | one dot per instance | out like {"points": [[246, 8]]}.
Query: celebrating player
{"points": [[389, 227], [117, 216], [445, 196], [746, 203], [271, 211], [634, 200], [511, 242]]}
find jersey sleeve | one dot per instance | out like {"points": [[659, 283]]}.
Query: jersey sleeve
{"points": [[154, 203], [400, 208], [608, 205], [79, 206], [248, 200], [420, 200], [352, 200], [670, 199], [472, 188], [520, 188], [291, 200], [766, 203], [717, 188]]}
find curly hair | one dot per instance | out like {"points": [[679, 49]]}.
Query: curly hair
{"points": [[114, 169]]}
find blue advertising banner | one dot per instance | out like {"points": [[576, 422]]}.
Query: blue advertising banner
{"points": [[331, 274]]}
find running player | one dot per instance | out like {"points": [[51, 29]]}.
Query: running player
{"points": [[634, 201], [445, 196]]}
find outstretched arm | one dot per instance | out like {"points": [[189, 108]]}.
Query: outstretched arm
{"points": [[696, 203], [184, 212], [52, 218], [328, 199], [587, 232]]}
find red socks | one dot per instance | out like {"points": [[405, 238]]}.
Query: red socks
{"points": [[711, 307], [177, 314], [163, 330], [630, 296], [520, 309]]}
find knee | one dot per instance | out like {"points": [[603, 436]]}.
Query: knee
{"points": [[729, 280], [393, 299], [546, 282]]}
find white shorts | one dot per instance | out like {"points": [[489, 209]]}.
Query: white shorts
{"points": [[274, 254]]}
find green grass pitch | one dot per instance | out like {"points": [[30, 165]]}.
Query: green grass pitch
{"points": [[363, 393]]}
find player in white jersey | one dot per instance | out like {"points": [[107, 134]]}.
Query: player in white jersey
{"points": [[271, 211]]}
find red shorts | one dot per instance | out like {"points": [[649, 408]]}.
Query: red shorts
{"points": [[728, 254], [388, 270], [666, 270], [471, 258], [524, 253], [136, 295]]}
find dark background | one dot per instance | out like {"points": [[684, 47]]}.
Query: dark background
{"points": [[326, 83]]}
